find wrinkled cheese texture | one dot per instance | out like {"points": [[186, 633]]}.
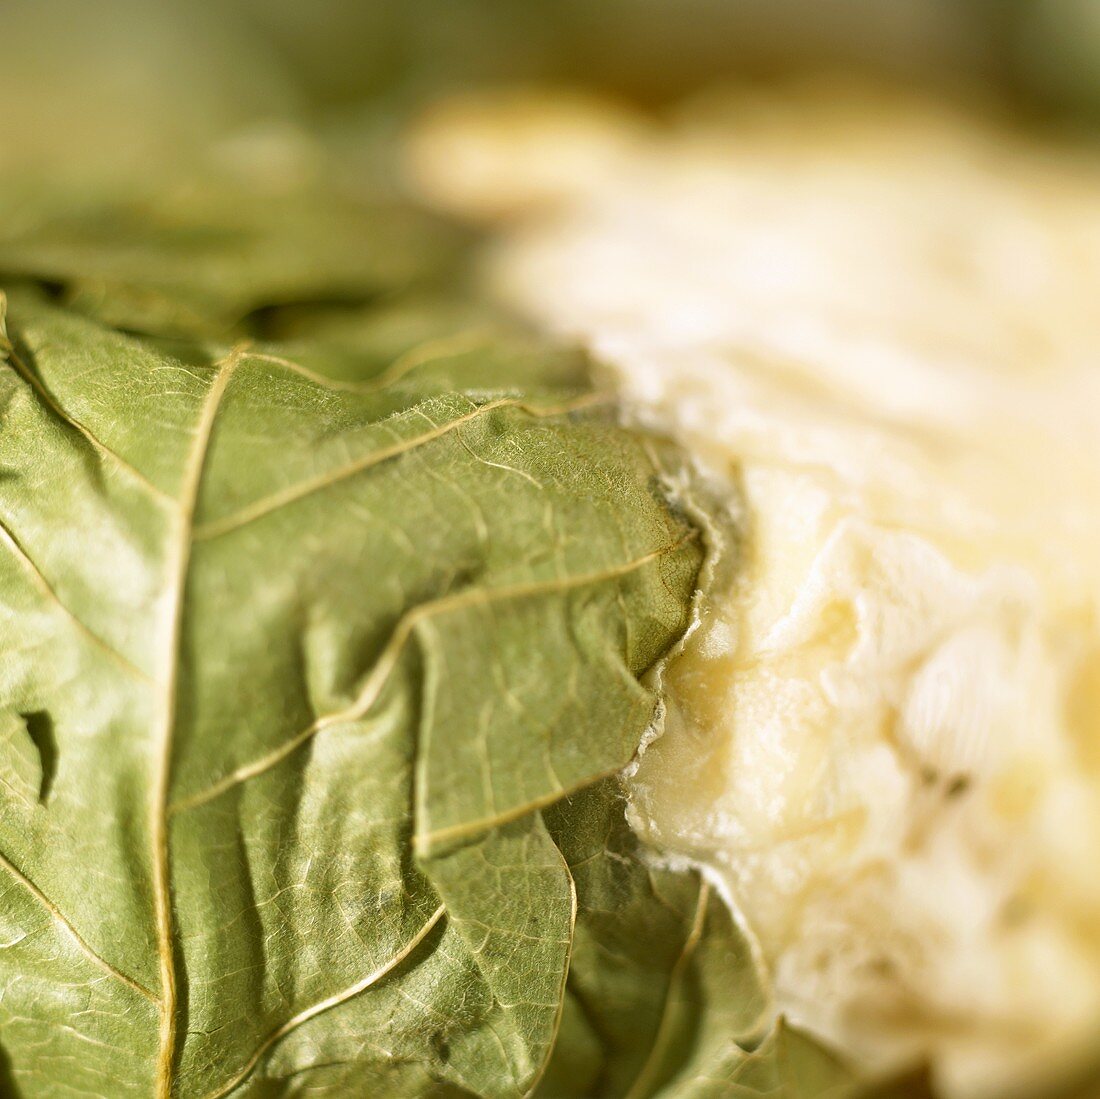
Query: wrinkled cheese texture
{"points": [[880, 320]]}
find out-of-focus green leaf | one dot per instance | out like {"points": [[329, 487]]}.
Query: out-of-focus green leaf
{"points": [[637, 955], [719, 1038], [196, 260], [785, 1064]]}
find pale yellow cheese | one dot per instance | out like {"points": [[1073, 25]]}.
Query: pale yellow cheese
{"points": [[880, 322]]}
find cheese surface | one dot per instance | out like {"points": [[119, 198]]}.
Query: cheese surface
{"points": [[877, 320]]}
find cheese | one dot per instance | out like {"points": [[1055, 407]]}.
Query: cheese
{"points": [[878, 320]]}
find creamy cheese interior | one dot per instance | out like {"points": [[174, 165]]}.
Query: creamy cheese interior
{"points": [[881, 321]]}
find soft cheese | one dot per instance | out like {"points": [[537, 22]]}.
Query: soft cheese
{"points": [[879, 320]]}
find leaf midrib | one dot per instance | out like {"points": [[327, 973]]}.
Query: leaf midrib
{"points": [[178, 570]]}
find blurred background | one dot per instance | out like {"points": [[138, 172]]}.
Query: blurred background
{"points": [[104, 86], [187, 166]]}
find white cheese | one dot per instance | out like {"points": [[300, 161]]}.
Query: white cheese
{"points": [[881, 321]]}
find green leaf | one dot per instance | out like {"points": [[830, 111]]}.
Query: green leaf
{"points": [[329, 669], [785, 1064], [218, 252], [637, 953]]}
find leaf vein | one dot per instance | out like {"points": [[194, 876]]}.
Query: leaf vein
{"points": [[58, 917], [293, 493], [383, 668], [8, 352], [327, 1004], [38, 579], [420, 355], [178, 571], [646, 1078]]}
